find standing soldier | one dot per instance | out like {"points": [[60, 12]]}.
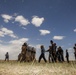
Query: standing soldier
{"points": [[67, 56], [50, 53], [42, 54], [52, 47], [75, 51], [60, 54], [7, 56], [23, 52], [33, 53], [53, 51]]}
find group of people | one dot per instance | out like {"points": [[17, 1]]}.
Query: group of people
{"points": [[55, 54], [27, 53]]}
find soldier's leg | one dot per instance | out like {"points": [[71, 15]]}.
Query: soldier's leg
{"points": [[49, 58], [22, 58], [19, 56], [67, 59], [59, 58], [62, 58], [44, 58], [75, 57], [7, 59], [40, 58], [53, 58]]}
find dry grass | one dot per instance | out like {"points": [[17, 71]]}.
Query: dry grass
{"points": [[16, 68]]}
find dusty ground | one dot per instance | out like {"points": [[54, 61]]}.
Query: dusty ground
{"points": [[17, 68]]}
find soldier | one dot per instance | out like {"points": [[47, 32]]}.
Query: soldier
{"points": [[67, 56], [75, 51], [28, 54], [33, 53], [50, 53], [23, 52], [52, 45], [60, 54], [7, 56], [53, 51], [42, 54]]}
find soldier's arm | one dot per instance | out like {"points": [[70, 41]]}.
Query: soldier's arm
{"points": [[47, 50]]}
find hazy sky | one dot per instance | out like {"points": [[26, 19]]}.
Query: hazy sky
{"points": [[36, 22]]}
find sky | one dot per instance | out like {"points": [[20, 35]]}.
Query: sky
{"points": [[37, 22]]}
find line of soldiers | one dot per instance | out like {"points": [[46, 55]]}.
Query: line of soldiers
{"points": [[53, 54], [27, 53], [56, 54]]}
